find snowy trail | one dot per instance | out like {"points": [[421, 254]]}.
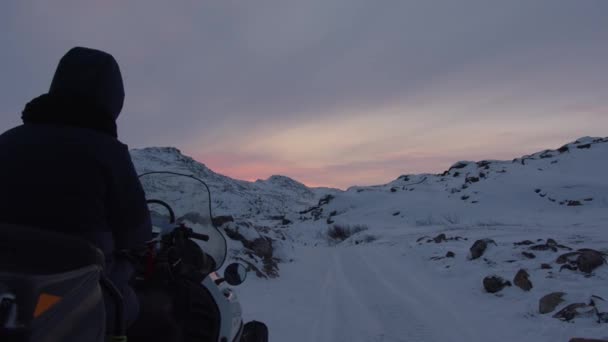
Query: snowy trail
{"points": [[358, 294], [377, 299]]}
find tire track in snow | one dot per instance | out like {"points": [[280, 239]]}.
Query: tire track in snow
{"points": [[397, 318], [322, 329], [420, 294]]}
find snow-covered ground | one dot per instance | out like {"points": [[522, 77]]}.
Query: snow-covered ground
{"points": [[391, 281], [391, 290]]}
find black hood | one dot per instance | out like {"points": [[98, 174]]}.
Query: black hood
{"points": [[86, 91], [90, 76]]}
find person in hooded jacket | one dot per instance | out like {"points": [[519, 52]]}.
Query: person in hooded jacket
{"points": [[65, 170]]}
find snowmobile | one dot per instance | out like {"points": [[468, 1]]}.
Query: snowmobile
{"points": [[52, 285]]}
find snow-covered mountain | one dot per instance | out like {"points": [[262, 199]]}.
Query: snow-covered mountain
{"points": [[275, 197]]}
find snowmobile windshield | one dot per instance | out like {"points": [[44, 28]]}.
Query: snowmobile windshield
{"points": [[188, 199]]}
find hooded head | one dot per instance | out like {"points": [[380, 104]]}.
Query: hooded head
{"points": [[86, 91], [90, 76]]}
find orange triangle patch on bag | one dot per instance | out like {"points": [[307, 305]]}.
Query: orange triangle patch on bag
{"points": [[45, 302]]}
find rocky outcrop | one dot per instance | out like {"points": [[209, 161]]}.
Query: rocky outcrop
{"points": [[259, 248]]}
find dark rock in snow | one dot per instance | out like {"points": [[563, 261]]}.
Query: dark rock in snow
{"points": [[262, 247], [567, 257], [546, 266], [529, 255], [574, 203], [396, 213], [586, 260], [589, 260], [493, 284], [325, 200], [576, 339], [218, 221], [479, 247], [585, 146], [522, 280], [459, 165], [440, 238], [422, 238], [550, 302], [450, 254], [601, 308], [574, 310], [523, 243], [568, 267], [544, 247]]}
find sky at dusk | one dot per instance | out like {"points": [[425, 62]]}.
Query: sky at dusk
{"points": [[329, 92]]}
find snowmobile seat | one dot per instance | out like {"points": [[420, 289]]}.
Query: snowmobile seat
{"points": [[50, 287]]}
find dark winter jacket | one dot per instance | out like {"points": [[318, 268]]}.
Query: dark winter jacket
{"points": [[64, 169]]}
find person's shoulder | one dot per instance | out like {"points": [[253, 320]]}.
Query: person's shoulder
{"points": [[12, 131]]}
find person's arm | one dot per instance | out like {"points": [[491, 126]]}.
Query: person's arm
{"points": [[128, 214]]}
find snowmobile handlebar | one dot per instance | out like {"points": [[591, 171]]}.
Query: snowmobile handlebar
{"points": [[197, 236], [188, 233]]}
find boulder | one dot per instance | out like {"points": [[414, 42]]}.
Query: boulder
{"points": [[450, 254], [550, 302], [574, 310], [588, 260], [546, 266], [479, 247], [440, 238], [219, 221], [522, 280], [493, 284], [528, 255]]}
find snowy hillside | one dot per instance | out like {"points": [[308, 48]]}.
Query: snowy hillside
{"points": [[553, 186], [275, 197], [404, 261]]}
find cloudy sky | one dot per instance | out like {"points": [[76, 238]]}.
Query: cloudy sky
{"points": [[329, 92]]}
